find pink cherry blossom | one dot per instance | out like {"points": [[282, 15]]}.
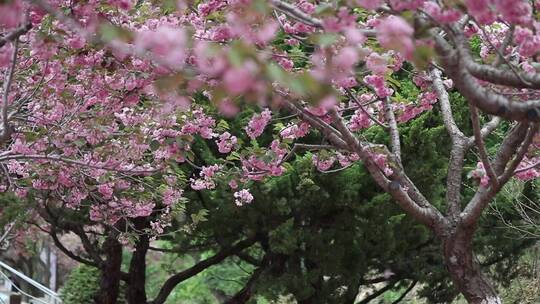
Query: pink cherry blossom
{"points": [[377, 63], [11, 12], [395, 33], [257, 124], [168, 44], [122, 4], [226, 142], [243, 197], [239, 80], [106, 190], [323, 164], [369, 4]]}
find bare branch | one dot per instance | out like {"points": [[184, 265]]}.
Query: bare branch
{"points": [[379, 292], [511, 78], [406, 292], [446, 109], [489, 127], [68, 252], [246, 292], [507, 40], [515, 138], [534, 165], [176, 279], [63, 159], [481, 147], [457, 153], [400, 187], [501, 56], [511, 142], [395, 144], [461, 71], [8, 79], [510, 170], [454, 178], [295, 13], [375, 120], [327, 130], [15, 34], [298, 15]]}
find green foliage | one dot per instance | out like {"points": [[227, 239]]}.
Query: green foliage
{"points": [[327, 232], [82, 285], [222, 279], [475, 43]]}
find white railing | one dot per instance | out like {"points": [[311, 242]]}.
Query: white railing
{"points": [[53, 296]]}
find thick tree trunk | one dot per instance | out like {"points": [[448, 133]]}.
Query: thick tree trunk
{"points": [[109, 287], [136, 291], [465, 271]]}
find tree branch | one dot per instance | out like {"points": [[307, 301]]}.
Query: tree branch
{"points": [[296, 14], [8, 79], [410, 200], [481, 146], [395, 144], [500, 76], [461, 71], [176, 279], [515, 138], [406, 292], [375, 120], [446, 109], [487, 129], [67, 252], [15, 34], [321, 126], [534, 165], [379, 292], [59, 158], [511, 169], [457, 153], [246, 293]]}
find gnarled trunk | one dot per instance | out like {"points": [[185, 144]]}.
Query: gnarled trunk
{"points": [[465, 271], [109, 287], [136, 292]]}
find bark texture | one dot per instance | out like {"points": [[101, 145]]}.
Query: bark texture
{"points": [[109, 287], [136, 292], [465, 270]]}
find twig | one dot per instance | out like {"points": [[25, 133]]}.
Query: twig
{"points": [[534, 165], [71, 161], [482, 147], [8, 79], [15, 34], [375, 120]]}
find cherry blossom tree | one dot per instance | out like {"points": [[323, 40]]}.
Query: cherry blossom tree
{"points": [[100, 96]]}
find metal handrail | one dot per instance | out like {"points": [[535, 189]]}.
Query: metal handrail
{"points": [[30, 281], [20, 290]]}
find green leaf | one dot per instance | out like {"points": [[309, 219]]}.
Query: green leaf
{"points": [[422, 56], [222, 125], [238, 53], [200, 216], [110, 32], [325, 40], [233, 156], [304, 84], [169, 83], [276, 73]]}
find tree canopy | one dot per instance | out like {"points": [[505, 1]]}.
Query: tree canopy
{"points": [[121, 109]]}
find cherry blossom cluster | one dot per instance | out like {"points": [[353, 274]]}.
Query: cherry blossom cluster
{"points": [[104, 94]]}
